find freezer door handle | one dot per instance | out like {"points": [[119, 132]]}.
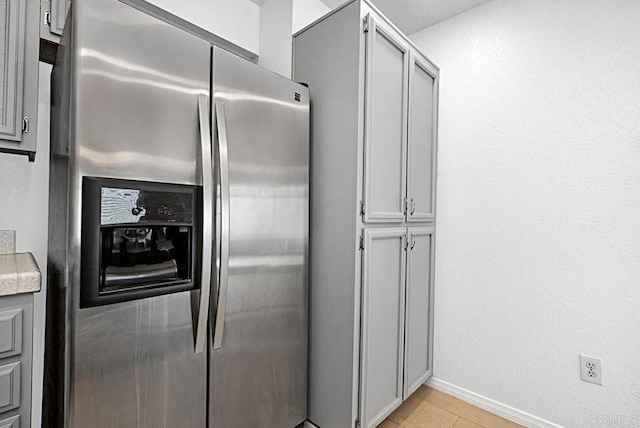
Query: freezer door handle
{"points": [[223, 168], [207, 225]]}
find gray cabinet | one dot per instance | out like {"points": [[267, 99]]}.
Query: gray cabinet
{"points": [[421, 171], [383, 301], [373, 169], [10, 422], [400, 114], [418, 317], [53, 16], [12, 31], [9, 386], [19, 52], [397, 324], [387, 61], [16, 318], [10, 332]]}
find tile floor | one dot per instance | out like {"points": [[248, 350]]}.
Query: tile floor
{"points": [[428, 408]]}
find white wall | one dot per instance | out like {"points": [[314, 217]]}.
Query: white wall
{"points": [[25, 203], [307, 11], [538, 246], [275, 36], [237, 21], [279, 19]]}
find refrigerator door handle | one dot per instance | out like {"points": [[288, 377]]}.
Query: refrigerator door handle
{"points": [[223, 156], [207, 224]]}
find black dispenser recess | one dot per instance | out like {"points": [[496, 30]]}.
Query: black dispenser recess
{"points": [[138, 240]]}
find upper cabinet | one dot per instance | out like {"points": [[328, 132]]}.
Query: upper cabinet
{"points": [[13, 23], [423, 99], [400, 113], [19, 50], [386, 82], [54, 13]]}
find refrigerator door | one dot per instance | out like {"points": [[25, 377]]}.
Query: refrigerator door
{"points": [[139, 87], [258, 361]]}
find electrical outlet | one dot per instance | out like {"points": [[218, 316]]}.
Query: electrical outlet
{"points": [[591, 369]]}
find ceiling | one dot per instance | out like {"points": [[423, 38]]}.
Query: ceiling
{"points": [[414, 15]]}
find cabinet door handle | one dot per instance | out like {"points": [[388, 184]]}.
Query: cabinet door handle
{"points": [[413, 206]]}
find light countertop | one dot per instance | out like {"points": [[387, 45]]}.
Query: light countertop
{"points": [[19, 272]]}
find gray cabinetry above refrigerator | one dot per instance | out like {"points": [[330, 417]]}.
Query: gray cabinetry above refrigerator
{"points": [[373, 152], [53, 14], [19, 76]]}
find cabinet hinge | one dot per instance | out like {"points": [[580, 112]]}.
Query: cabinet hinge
{"points": [[365, 24], [361, 242], [362, 207], [357, 424], [47, 18], [25, 125]]}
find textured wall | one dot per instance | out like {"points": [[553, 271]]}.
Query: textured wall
{"points": [[307, 11], [538, 247], [279, 19], [275, 36]]}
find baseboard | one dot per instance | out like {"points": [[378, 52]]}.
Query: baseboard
{"points": [[492, 406]]}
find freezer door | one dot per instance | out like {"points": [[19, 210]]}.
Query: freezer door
{"points": [[258, 362], [139, 87]]}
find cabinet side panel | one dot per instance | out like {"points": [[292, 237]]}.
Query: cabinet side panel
{"points": [[326, 57]]}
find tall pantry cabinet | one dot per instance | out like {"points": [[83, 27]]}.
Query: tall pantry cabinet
{"points": [[373, 157]]}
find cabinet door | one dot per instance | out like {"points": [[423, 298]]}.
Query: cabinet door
{"points": [[382, 331], [387, 60], [12, 49], [419, 309], [10, 422], [423, 96], [9, 386], [54, 14], [59, 10]]}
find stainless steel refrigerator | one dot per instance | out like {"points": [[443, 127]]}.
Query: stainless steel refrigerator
{"points": [[178, 237]]}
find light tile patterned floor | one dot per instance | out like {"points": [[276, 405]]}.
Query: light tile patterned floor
{"points": [[428, 408]]}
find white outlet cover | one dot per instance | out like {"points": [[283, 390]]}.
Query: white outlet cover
{"points": [[591, 369]]}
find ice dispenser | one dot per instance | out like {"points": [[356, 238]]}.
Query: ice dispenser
{"points": [[138, 240]]}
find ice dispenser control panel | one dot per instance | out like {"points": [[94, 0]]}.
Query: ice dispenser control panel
{"points": [[138, 240]]}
